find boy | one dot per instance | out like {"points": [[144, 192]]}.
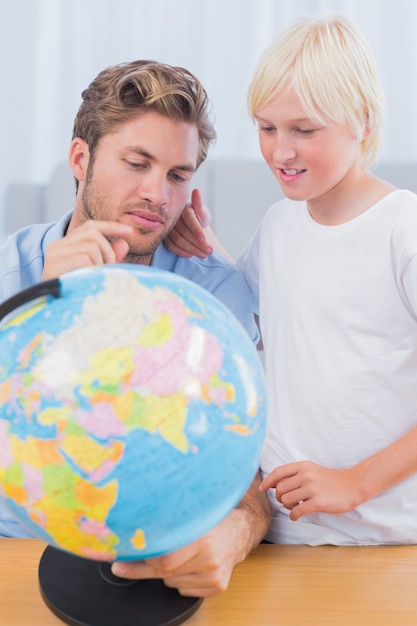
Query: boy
{"points": [[333, 274]]}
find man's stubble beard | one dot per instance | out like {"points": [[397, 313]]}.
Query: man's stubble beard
{"points": [[91, 199]]}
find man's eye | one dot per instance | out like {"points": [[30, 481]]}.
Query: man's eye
{"points": [[177, 178]]}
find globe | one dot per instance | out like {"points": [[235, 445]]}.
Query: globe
{"points": [[132, 411]]}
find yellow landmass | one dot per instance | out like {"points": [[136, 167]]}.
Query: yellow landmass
{"points": [[31, 346], [30, 401], [167, 416], [124, 404], [26, 450], [96, 501], [109, 366], [64, 524], [214, 384], [138, 540], [25, 315], [17, 493], [89, 454], [47, 452], [240, 429], [157, 333], [5, 389], [55, 415], [37, 453]]}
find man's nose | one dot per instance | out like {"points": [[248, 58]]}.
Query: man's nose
{"points": [[153, 188]]}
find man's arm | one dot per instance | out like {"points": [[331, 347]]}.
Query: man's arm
{"points": [[305, 487], [204, 567]]}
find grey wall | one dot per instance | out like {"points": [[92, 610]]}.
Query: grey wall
{"points": [[238, 194]]}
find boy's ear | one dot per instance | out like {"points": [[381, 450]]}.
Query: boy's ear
{"points": [[367, 130], [366, 133], [78, 158]]}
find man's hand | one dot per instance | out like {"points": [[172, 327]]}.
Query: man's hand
{"points": [[305, 487], [92, 243], [187, 238], [204, 567]]}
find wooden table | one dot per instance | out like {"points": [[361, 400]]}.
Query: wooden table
{"points": [[275, 586]]}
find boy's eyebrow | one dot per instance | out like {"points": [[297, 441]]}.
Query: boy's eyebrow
{"points": [[259, 119], [301, 120]]}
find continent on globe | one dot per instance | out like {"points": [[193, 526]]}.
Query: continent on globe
{"points": [[132, 412]]}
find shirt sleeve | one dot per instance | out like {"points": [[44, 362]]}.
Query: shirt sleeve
{"points": [[233, 291], [248, 265], [218, 276]]}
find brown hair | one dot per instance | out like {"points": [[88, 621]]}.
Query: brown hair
{"points": [[120, 92]]}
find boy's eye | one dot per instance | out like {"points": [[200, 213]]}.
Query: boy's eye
{"points": [[305, 131], [267, 129]]}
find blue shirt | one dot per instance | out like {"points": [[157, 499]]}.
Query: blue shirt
{"points": [[21, 266]]}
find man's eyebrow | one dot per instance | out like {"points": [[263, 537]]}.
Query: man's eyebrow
{"points": [[186, 167]]}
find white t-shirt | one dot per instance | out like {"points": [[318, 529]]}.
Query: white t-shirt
{"points": [[338, 315]]}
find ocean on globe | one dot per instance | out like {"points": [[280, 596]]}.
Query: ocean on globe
{"points": [[132, 411]]}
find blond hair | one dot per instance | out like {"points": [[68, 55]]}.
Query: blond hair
{"points": [[329, 64]]}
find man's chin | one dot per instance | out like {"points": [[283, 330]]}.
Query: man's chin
{"points": [[141, 254]]}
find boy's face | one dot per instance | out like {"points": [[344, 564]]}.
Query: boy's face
{"points": [[312, 161], [140, 175]]}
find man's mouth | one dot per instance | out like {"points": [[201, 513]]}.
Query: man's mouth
{"points": [[146, 219]]}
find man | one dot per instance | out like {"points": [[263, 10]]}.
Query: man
{"points": [[142, 130]]}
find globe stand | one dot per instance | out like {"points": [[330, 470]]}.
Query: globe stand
{"points": [[82, 592]]}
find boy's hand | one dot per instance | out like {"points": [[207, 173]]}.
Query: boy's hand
{"points": [[187, 238], [305, 487]]}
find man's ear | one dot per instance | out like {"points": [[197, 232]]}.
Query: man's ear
{"points": [[78, 158]]}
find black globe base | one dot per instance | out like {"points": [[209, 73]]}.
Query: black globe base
{"points": [[82, 592]]}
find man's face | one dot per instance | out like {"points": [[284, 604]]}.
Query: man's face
{"points": [[141, 176]]}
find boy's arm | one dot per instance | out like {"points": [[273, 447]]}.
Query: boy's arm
{"points": [[191, 235], [305, 487], [388, 467]]}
